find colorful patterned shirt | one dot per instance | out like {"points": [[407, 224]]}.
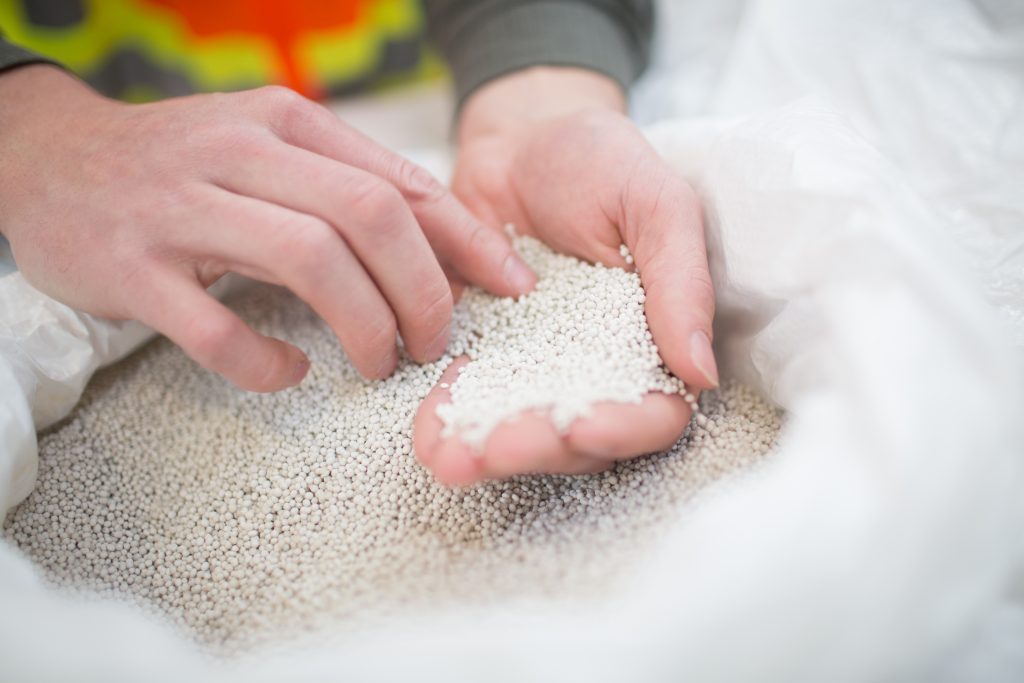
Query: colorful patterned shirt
{"points": [[142, 50]]}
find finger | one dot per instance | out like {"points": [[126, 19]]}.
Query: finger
{"points": [[579, 464], [456, 282], [481, 255], [272, 243], [529, 443], [375, 222], [481, 207], [593, 466], [661, 220], [457, 464], [426, 425], [614, 431], [216, 338], [569, 462]]}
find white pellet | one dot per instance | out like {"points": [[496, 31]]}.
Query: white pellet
{"points": [[580, 338], [248, 517]]}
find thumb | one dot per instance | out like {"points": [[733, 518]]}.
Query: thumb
{"points": [[216, 338], [663, 228]]}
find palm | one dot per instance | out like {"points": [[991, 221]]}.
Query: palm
{"points": [[563, 184], [584, 186]]}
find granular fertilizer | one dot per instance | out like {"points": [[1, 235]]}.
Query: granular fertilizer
{"points": [[578, 339], [247, 518]]}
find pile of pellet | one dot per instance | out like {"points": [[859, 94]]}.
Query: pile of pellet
{"points": [[245, 518], [579, 339]]}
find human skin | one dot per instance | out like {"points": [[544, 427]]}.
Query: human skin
{"points": [[551, 151], [132, 211]]}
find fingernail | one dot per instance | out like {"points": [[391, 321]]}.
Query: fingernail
{"points": [[703, 357], [299, 372], [388, 366], [518, 275], [435, 349]]}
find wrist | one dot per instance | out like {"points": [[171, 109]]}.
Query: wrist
{"points": [[24, 86], [37, 102], [518, 100], [42, 97]]}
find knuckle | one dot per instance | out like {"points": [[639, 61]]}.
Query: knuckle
{"points": [[679, 195], [373, 197], [377, 338], [416, 183], [210, 338], [700, 285], [482, 242], [283, 104], [434, 309], [278, 96], [683, 191], [694, 288], [482, 253], [220, 138], [308, 245], [236, 140], [656, 188]]}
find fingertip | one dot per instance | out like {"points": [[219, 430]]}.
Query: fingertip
{"points": [[703, 358], [436, 348], [426, 430], [681, 338], [382, 369], [426, 332], [427, 426], [285, 368], [425, 435], [486, 258], [519, 277], [217, 339], [693, 362], [455, 464], [300, 366]]}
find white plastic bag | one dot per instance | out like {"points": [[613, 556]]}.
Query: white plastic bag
{"points": [[857, 160]]}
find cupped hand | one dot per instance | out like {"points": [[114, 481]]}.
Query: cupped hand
{"points": [[131, 211], [581, 177]]}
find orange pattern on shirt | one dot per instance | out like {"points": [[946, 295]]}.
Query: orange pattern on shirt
{"points": [[282, 23]]}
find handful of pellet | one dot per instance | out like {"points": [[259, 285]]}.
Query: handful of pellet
{"points": [[580, 338]]}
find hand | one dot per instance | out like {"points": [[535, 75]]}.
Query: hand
{"points": [[550, 151], [131, 211]]}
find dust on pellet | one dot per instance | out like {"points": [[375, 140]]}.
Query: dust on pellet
{"points": [[246, 518]]}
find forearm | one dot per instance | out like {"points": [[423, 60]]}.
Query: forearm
{"points": [[37, 102]]}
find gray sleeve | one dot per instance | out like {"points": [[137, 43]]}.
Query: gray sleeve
{"points": [[484, 39], [11, 56]]}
